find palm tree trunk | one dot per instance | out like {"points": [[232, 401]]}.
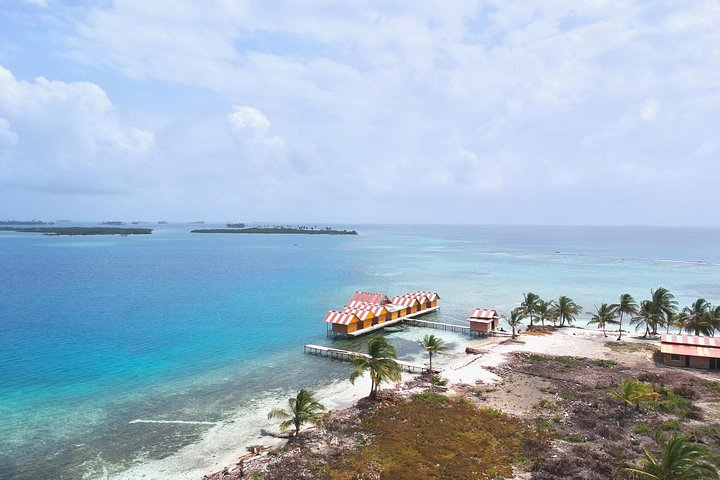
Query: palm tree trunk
{"points": [[430, 363], [621, 318], [604, 332]]}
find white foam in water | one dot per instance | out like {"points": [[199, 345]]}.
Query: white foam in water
{"points": [[225, 442], [183, 422]]}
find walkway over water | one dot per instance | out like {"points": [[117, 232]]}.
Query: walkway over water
{"points": [[443, 326], [348, 355]]}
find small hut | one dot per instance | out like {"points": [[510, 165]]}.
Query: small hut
{"points": [[367, 318], [343, 323], [427, 300], [483, 320], [691, 351], [407, 304]]}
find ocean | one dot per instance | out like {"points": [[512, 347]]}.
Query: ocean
{"points": [[121, 355]]}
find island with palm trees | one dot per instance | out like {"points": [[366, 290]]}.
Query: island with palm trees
{"points": [[276, 230], [550, 400]]}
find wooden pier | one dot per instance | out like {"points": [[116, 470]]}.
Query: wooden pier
{"points": [[348, 355], [388, 323], [442, 326]]}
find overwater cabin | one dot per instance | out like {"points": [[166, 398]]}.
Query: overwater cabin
{"points": [[343, 323], [367, 318], [483, 320], [427, 299], [691, 351], [407, 305], [370, 297]]}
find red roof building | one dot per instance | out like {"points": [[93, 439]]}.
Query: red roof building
{"points": [[370, 297], [483, 320], [692, 351]]}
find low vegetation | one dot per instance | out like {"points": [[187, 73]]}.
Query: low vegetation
{"points": [[278, 230], [55, 231], [429, 436]]}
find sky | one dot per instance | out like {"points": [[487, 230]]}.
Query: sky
{"points": [[382, 111]]}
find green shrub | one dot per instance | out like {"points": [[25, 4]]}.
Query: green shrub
{"points": [[430, 397], [641, 429], [670, 425]]}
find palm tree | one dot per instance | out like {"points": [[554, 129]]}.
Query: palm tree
{"points": [[605, 314], [517, 315], [545, 311], [645, 316], [634, 392], [677, 320], [567, 310], [715, 315], [433, 344], [529, 305], [681, 460], [303, 409], [627, 305], [698, 318], [664, 305], [380, 362]]}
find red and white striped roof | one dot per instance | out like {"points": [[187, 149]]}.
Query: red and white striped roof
{"points": [[403, 301], [483, 313], [376, 308], [340, 318], [370, 297], [696, 340], [431, 296], [358, 312]]}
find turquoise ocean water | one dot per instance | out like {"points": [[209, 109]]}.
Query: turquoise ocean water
{"points": [[96, 332]]}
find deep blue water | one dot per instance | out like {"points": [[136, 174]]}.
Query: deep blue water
{"points": [[98, 331]]}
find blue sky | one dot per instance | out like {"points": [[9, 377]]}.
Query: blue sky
{"points": [[472, 112]]}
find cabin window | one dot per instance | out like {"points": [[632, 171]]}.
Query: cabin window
{"points": [[674, 358]]}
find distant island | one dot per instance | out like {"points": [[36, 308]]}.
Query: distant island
{"points": [[236, 225], [25, 222], [114, 222], [302, 230], [54, 231], [162, 222]]}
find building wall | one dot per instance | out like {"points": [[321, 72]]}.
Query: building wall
{"points": [[341, 329], [693, 362], [480, 327], [700, 362], [673, 363]]}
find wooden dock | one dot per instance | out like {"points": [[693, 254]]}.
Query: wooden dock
{"points": [[348, 355], [388, 323], [442, 326]]}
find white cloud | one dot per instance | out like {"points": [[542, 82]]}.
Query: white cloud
{"points": [[7, 136], [66, 137], [250, 125], [559, 98], [649, 110]]}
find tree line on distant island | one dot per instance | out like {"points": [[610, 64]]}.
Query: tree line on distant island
{"points": [[660, 310], [277, 229], [72, 231], [25, 222]]}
